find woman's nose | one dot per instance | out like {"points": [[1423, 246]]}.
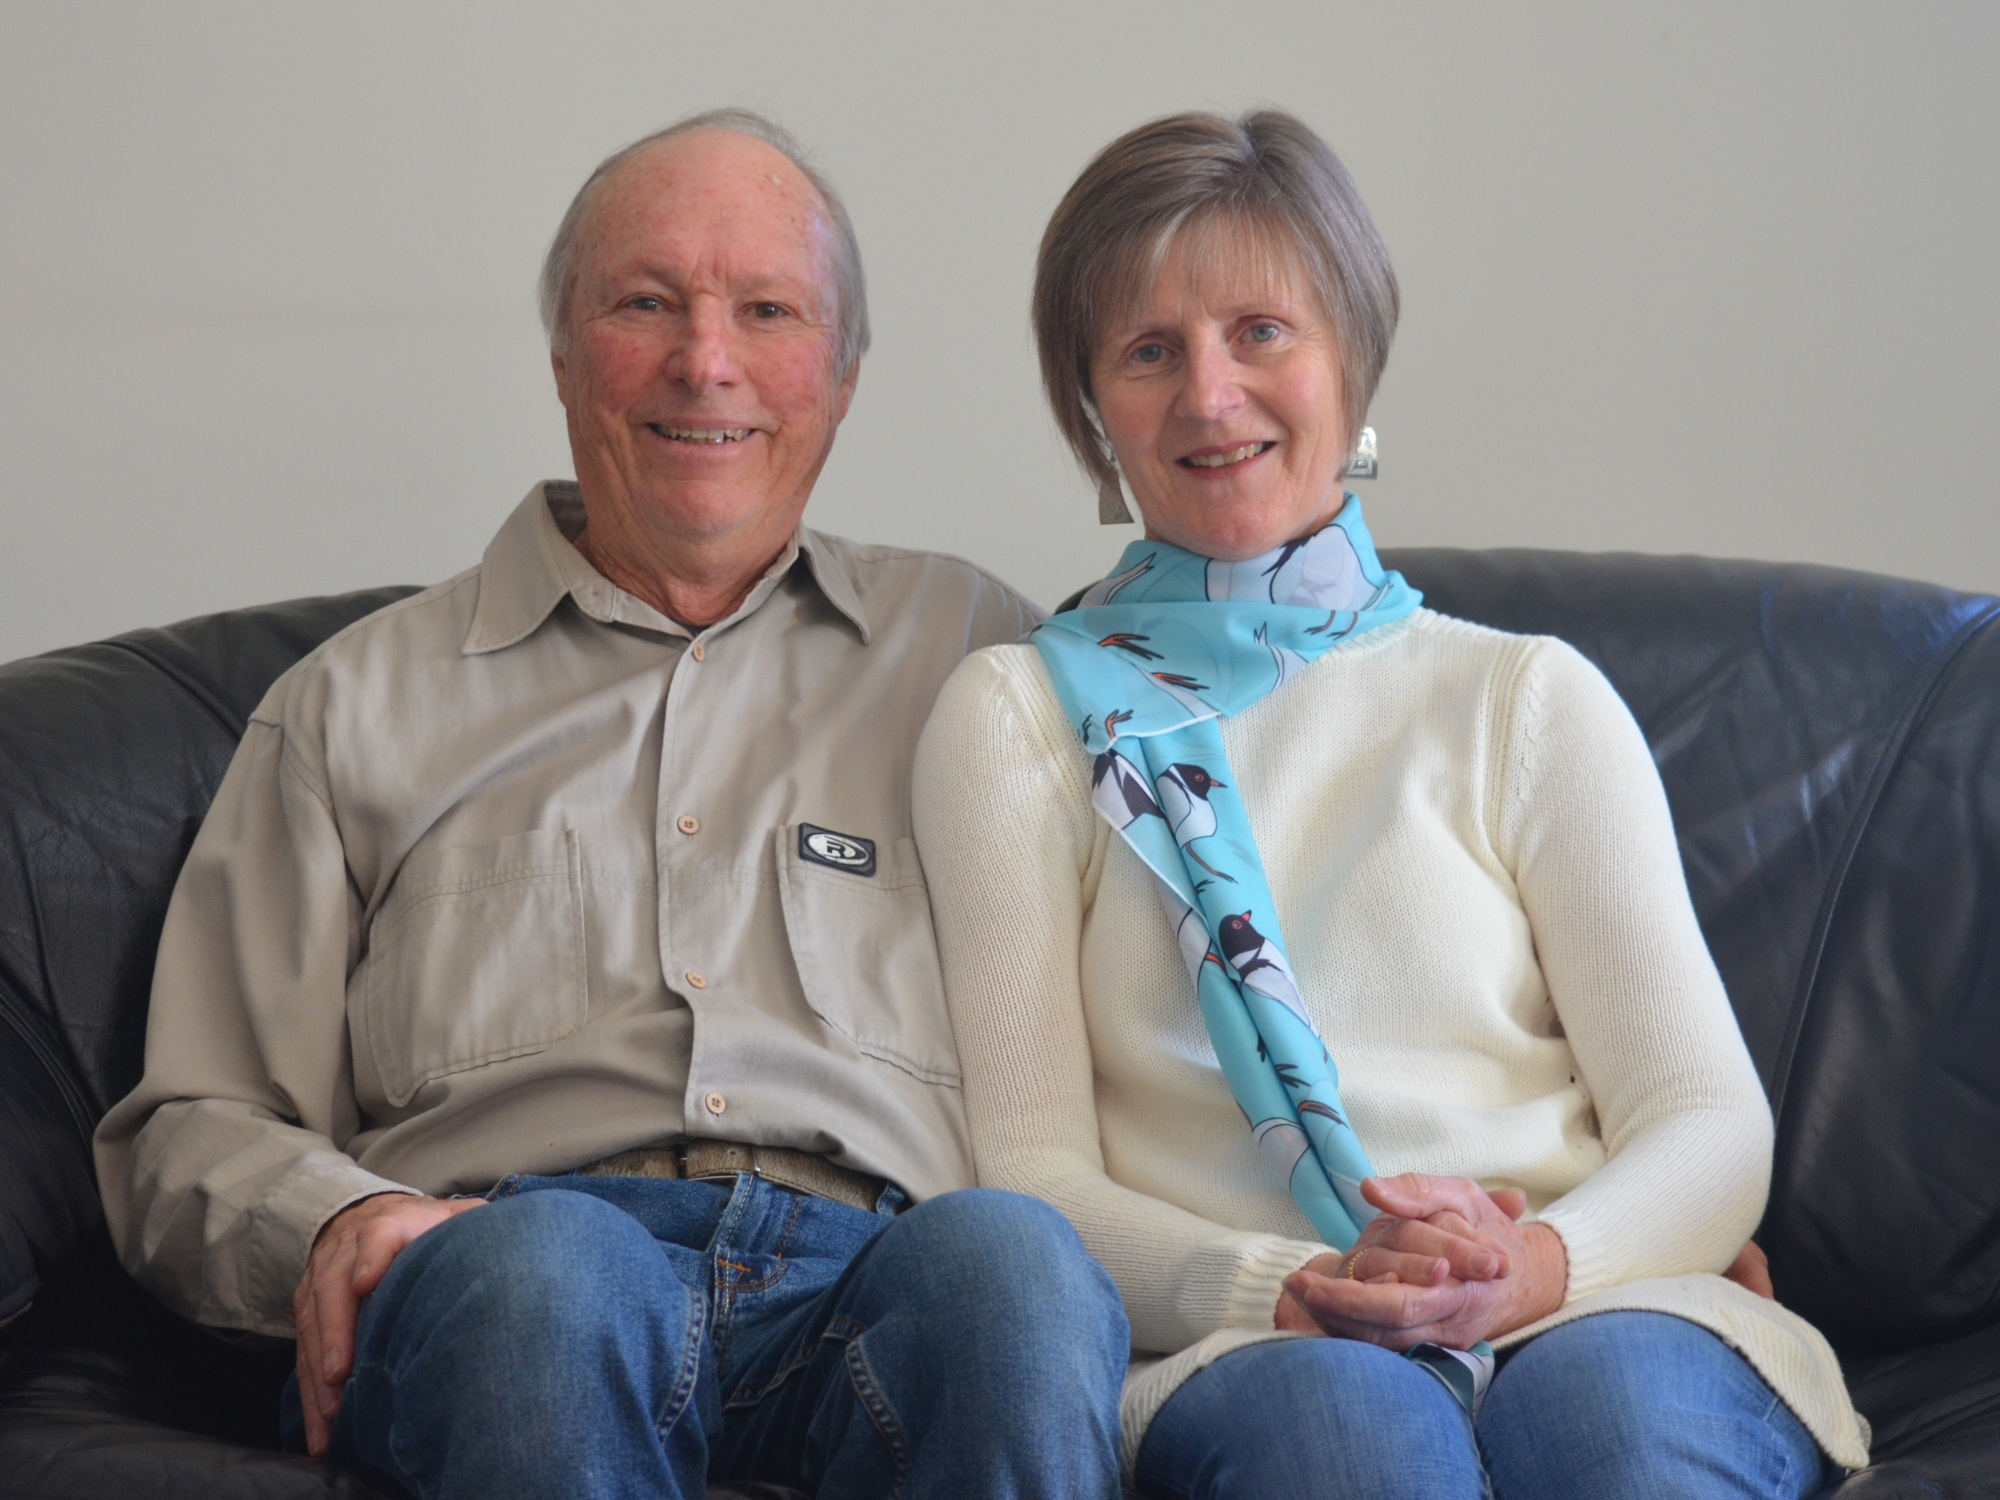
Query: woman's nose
{"points": [[1210, 390]]}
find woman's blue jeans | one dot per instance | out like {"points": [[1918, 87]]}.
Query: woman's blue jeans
{"points": [[607, 1336], [1640, 1406]]}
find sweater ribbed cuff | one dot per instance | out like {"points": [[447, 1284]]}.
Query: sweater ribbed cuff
{"points": [[1590, 1265], [1263, 1264]]}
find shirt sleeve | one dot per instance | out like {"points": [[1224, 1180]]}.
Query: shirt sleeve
{"points": [[1585, 828], [1008, 839], [218, 1171]]}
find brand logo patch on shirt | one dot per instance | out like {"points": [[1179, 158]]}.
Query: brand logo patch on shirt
{"points": [[838, 851]]}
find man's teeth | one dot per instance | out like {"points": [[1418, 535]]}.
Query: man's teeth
{"points": [[1222, 460], [704, 434]]}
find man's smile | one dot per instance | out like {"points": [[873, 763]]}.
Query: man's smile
{"points": [[700, 434]]}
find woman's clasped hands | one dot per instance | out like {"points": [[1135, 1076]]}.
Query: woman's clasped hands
{"points": [[1445, 1262]]}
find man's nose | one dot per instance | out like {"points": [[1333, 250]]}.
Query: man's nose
{"points": [[705, 356], [1210, 390]]}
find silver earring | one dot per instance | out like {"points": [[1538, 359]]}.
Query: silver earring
{"points": [[1111, 509], [1362, 465]]}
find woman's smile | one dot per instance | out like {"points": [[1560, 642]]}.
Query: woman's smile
{"points": [[1217, 458]]}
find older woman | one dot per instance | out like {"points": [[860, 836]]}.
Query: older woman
{"points": [[1251, 838]]}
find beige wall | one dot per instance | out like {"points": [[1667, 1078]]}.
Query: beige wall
{"points": [[1719, 279]]}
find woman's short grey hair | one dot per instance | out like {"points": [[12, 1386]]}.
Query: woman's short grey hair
{"points": [[559, 267], [1265, 173]]}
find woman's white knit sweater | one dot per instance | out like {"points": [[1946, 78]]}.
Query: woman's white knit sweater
{"points": [[1481, 896]]}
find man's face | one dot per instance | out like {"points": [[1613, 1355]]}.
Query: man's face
{"points": [[699, 371]]}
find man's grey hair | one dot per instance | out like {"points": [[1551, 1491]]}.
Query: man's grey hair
{"points": [[559, 268], [1262, 187]]}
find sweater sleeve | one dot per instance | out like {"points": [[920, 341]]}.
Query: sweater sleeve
{"points": [[1584, 826], [1009, 844]]}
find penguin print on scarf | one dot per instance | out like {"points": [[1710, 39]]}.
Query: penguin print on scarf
{"points": [[1260, 966], [1183, 689], [1282, 1144], [1288, 662], [1321, 572], [1118, 791], [1184, 790], [1107, 589]]}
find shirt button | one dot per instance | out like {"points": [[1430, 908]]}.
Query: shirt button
{"points": [[715, 1104], [688, 823], [699, 652], [695, 980]]}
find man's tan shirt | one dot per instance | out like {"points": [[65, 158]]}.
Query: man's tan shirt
{"points": [[514, 874]]}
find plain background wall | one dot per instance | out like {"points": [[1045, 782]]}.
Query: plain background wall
{"points": [[1702, 278]]}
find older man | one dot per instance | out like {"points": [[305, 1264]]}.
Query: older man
{"points": [[588, 874]]}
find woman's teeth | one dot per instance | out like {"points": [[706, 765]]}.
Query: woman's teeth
{"points": [[703, 434], [1223, 460]]}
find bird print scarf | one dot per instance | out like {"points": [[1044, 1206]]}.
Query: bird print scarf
{"points": [[1146, 665]]}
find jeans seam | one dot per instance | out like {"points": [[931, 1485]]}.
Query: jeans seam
{"points": [[737, 1285], [1784, 1449], [880, 1412], [690, 1374], [406, 1473], [839, 1330], [792, 1212]]}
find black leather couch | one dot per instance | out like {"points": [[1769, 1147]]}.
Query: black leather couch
{"points": [[1831, 747]]}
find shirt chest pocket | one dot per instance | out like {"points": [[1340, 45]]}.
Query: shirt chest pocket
{"points": [[866, 956], [476, 956]]}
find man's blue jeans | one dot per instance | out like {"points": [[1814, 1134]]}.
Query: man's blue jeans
{"points": [[613, 1336], [1631, 1405]]}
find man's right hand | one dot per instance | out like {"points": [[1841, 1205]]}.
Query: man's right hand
{"points": [[348, 1261]]}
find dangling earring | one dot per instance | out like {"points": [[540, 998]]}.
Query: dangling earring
{"points": [[1362, 465], [1111, 509]]}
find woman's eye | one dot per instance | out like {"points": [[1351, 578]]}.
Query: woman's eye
{"points": [[1262, 333], [767, 310], [1150, 354], [644, 304]]}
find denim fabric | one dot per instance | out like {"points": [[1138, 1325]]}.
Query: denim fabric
{"points": [[609, 1336], [1637, 1405]]}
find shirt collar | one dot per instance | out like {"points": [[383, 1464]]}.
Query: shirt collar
{"points": [[530, 565], [832, 569]]}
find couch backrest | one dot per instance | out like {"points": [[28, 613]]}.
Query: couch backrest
{"points": [[109, 755], [1830, 743]]}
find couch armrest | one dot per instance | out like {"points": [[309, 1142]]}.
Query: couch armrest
{"points": [[48, 1195]]}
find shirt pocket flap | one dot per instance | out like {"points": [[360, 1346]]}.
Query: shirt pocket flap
{"points": [[866, 956], [476, 956]]}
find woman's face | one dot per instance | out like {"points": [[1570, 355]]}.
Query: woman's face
{"points": [[1222, 399]]}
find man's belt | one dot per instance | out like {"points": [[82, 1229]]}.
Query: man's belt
{"points": [[699, 1161]]}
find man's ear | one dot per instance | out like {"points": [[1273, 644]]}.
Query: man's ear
{"points": [[561, 368], [847, 393]]}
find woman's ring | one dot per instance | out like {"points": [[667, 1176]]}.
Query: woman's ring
{"points": [[1353, 1265]]}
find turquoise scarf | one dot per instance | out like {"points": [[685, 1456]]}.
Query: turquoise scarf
{"points": [[1146, 665]]}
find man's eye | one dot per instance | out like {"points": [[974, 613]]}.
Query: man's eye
{"points": [[767, 309], [645, 304], [1262, 333], [1150, 354]]}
